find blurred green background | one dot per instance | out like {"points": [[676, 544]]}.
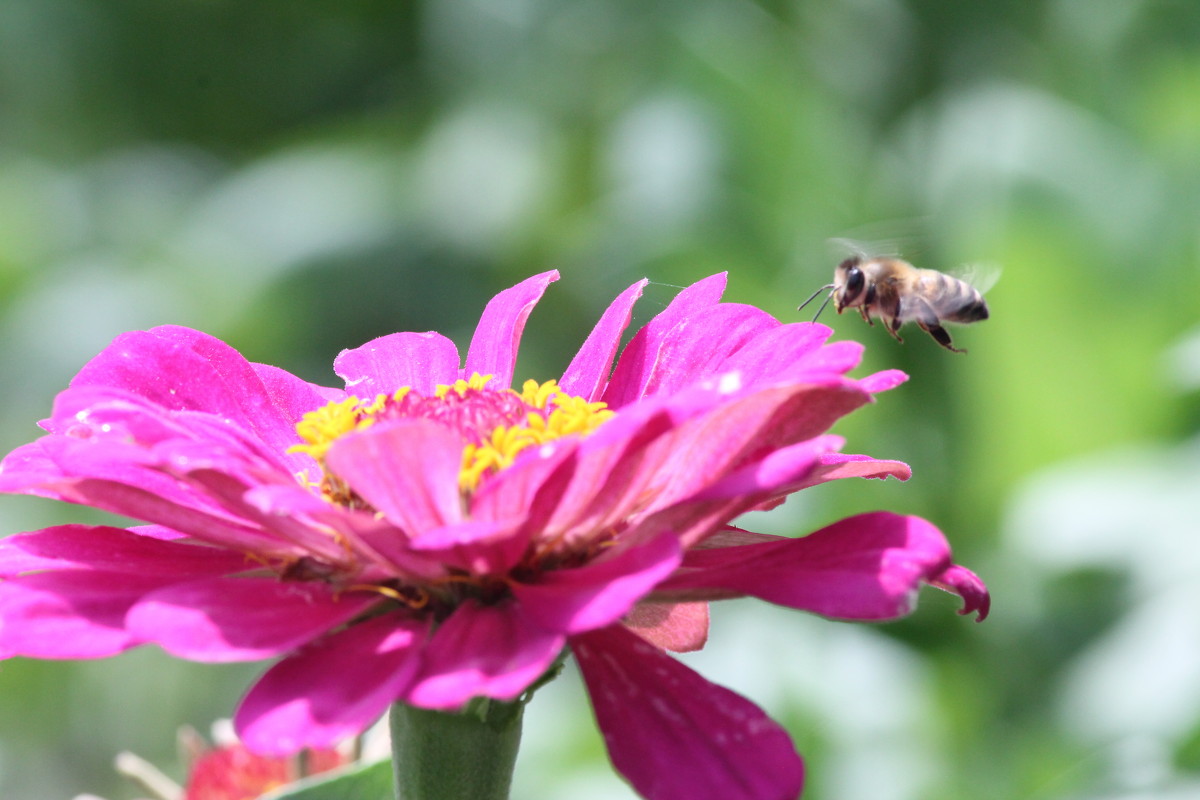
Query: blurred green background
{"points": [[299, 177]]}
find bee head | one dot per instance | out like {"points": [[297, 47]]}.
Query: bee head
{"points": [[850, 283]]}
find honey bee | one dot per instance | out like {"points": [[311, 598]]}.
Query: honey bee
{"points": [[897, 292]]}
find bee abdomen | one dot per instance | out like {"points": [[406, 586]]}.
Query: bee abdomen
{"points": [[959, 301], [974, 311]]}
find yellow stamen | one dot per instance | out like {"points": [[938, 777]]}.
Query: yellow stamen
{"points": [[553, 414], [460, 387], [571, 415], [417, 598], [538, 394], [321, 428]]}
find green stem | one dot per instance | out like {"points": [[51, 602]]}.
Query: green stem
{"points": [[467, 755]]}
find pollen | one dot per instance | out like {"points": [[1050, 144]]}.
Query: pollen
{"points": [[321, 428], [496, 426], [460, 387], [555, 414]]}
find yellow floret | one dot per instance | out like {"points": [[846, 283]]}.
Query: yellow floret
{"points": [[556, 414], [322, 427], [571, 415], [460, 387]]}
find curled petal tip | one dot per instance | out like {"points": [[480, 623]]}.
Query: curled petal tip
{"points": [[967, 585]]}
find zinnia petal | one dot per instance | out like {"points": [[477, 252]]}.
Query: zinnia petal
{"points": [[682, 627], [834, 466], [967, 585], [882, 381], [491, 651], [331, 689], [70, 613], [383, 365], [77, 608], [407, 470], [674, 735], [139, 551], [180, 368], [700, 349], [592, 596], [493, 349], [639, 360], [866, 567], [769, 474], [587, 375], [780, 353], [241, 619]]}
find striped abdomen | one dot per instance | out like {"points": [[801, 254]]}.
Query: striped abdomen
{"points": [[953, 299]]}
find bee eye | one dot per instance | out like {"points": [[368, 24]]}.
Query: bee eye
{"points": [[854, 281]]}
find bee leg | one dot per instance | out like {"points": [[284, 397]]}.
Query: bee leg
{"points": [[866, 315], [940, 335], [893, 327]]}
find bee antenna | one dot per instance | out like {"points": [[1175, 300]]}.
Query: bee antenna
{"points": [[814, 297], [828, 297]]}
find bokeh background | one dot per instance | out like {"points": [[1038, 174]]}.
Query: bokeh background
{"points": [[300, 177]]}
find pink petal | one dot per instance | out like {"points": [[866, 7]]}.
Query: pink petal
{"points": [[619, 465], [179, 368], [114, 474], [637, 363], [674, 735], [865, 567], [609, 474], [29, 470], [493, 349], [69, 613], [834, 466], [515, 504], [587, 376], [724, 442], [729, 536], [156, 532], [332, 689], [774, 354], [383, 365], [96, 426], [491, 651], [699, 347], [281, 510], [682, 627], [292, 395], [112, 550], [967, 585], [241, 619], [595, 595], [777, 469], [407, 469], [882, 381], [120, 497], [769, 419], [480, 547], [837, 358], [379, 544]]}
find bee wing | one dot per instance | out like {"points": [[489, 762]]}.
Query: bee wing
{"points": [[843, 247], [981, 276], [883, 238]]}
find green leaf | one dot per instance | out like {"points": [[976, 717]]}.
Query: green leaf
{"points": [[356, 782]]}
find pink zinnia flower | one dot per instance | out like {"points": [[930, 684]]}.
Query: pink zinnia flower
{"points": [[428, 535]]}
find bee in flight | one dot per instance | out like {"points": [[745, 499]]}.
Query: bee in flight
{"points": [[897, 292]]}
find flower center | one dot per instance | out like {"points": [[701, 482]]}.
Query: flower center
{"points": [[495, 425]]}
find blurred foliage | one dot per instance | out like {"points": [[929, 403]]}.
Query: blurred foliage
{"points": [[298, 178]]}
